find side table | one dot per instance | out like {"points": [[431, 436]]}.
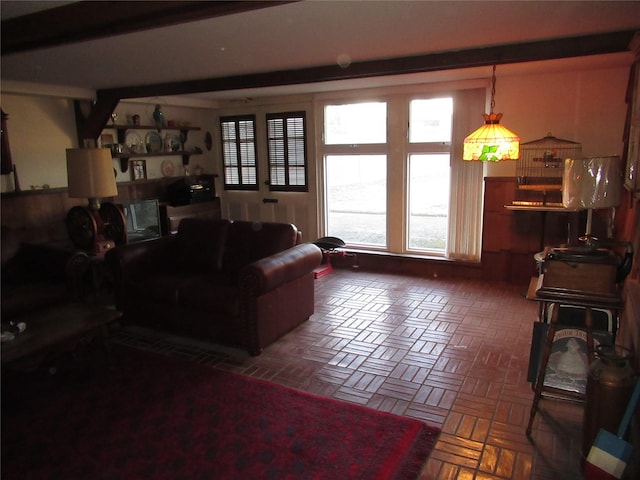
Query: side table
{"points": [[587, 300]]}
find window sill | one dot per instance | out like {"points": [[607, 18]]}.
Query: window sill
{"points": [[417, 256], [407, 264]]}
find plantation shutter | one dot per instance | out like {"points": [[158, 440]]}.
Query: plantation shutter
{"points": [[239, 152], [287, 152]]}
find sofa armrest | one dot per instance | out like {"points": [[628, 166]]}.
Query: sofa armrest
{"points": [[143, 258], [135, 260], [271, 272]]}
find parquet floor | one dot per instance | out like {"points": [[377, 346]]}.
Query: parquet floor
{"points": [[452, 353]]}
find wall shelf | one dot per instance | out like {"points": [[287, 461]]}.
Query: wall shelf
{"points": [[124, 157], [541, 208], [131, 126]]}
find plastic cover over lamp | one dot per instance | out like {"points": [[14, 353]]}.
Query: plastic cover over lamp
{"points": [[591, 183], [492, 142], [90, 174]]}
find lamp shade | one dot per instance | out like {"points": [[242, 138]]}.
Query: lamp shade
{"points": [[594, 182], [90, 173], [491, 142]]}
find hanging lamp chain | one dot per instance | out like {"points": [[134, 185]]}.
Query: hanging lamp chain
{"points": [[493, 89]]}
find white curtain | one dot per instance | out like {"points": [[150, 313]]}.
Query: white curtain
{"points": [[465, 204]]}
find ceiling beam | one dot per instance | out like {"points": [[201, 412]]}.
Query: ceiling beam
{"points": [[81, 21], [91, 118], [595, 44]]}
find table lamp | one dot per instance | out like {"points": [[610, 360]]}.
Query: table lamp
{"points": [[98, 227], [591, 183]]}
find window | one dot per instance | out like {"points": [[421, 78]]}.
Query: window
{"points": [[430, 120], [428, 202], [357, 198], [356, 173], [287, 147], [428, 173], [239, 152], [357, 123], [388, 182]]}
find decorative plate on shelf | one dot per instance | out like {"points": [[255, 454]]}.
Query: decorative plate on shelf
{"points": [[133, 141], [153, 140], [167, 168], [175, 143]]}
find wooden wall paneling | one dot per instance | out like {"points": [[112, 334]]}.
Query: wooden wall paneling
{"points": [[142, 190], [414, 266], [39, 216], [564, 228], [498, 192], [496, 221], [526, 232], [172, 216], [495, 265], [522, 266], [496, 231]]}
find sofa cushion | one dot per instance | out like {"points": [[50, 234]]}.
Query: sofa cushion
{"points": [[209, 293], [201, 244], [251, 241], [159, 288]]}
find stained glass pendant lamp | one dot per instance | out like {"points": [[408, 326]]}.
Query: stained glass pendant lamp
{"points": [[492, 142]]}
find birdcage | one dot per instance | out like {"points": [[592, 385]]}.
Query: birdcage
{"points": [[540, 168]]}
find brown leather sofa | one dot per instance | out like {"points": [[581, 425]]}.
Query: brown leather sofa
{"points": [[36, 276], [238, 283]]}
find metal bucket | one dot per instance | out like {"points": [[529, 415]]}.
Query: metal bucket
{"points": [[610, 383]]}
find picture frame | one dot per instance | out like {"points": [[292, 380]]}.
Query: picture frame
{"points": [[138, 170], [569, 345], [106, 140]]}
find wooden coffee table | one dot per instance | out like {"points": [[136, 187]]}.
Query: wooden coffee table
{"points": [[54, 327]]}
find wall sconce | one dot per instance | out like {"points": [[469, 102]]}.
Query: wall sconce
{"points": [[492, 142], [594, 182], [99, 226]]}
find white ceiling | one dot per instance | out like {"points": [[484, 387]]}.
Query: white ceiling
{"points": [[316, 33]]}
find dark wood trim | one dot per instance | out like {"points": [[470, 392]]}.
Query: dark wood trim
{"points": [[82, 21], [408, 265], [595, 44], [90, 127]]}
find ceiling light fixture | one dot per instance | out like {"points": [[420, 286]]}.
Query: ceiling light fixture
{"points": [[492, 142]]}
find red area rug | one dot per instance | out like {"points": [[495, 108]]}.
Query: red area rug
{"points": [[162, 418]]}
